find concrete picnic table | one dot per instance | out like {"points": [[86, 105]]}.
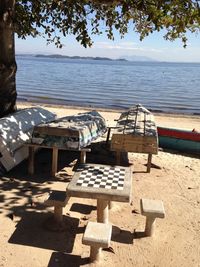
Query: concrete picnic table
{"points": [[102, 182]]}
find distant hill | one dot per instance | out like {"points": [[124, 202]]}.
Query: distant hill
{"points": [[78, 57], [124, 58], [138, 58]]}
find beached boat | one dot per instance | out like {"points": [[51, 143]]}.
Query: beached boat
{"points": [[71, 132], [136, 132], [178, 139]]}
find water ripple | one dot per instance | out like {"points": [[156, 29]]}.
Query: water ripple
{"points": [[170, 87]]}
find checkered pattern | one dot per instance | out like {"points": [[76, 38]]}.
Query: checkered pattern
{"points": [[102, 177]]}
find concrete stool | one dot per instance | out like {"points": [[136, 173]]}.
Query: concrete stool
{"points": [[97, 236], [57, 199], [152, 209]]}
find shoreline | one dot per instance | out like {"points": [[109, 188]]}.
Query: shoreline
{"points": [[100, 109]]}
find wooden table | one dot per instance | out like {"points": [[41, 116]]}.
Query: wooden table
{"points": [[102, 182]]}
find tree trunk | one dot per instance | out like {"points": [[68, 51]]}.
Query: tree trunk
{"points": [[8, 65]]}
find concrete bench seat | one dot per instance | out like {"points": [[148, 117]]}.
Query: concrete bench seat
{"points": [[97, 236], [152, 209], [58, 200]]}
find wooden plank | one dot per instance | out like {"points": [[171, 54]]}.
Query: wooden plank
{"points": [[132, 138], [141, 145], [54, 161], [137, 149], [56, 131], [62, 148], [83, 157], [31, 152], [132, 144], [149, 163]]}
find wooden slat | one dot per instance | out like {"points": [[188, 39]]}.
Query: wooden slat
{"points": [[62, 148], [130, 146], [133, 138], [31, 160], [142, 127], [149, 163], [56, 131], [137, 148], [54, 167]]}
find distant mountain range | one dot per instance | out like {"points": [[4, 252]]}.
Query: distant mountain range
{"points": [[78, 57], [125, 58]]}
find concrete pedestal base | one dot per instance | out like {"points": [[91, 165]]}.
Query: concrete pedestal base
{"points": [[102, 210], [152, 209], [150, 225], [97, 236], [95, 253]]}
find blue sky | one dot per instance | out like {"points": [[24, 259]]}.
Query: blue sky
{"points": [[153, 46]]}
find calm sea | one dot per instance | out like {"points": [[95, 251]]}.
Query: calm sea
{"points": [[159, 86]]}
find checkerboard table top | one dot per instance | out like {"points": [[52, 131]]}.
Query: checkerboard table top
{"points": [[101, 181], [102, 177]]}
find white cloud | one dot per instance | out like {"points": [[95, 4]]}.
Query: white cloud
{"points": [[124, 46]]}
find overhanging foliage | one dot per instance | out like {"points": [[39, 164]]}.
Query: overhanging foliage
{"points": [[53, 18]]}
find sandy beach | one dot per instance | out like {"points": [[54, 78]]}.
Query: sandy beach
{"points": [[25, 239]]}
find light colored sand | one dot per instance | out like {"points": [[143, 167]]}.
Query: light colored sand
{"points": [[170, 120], [24, 242]]}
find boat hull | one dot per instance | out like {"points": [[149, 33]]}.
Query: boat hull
{"points": [[179, 144], [180, 140]]}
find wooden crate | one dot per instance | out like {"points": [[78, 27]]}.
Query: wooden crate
{"points": [[135, 131]]}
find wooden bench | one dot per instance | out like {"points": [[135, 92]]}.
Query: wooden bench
{"points": [[97, 236], [152, 209], [58, 200]]}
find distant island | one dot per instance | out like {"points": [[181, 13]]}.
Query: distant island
{"points": [[78, 57], [132, 58]]}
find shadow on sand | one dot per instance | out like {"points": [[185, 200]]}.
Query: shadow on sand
{"points": [[122, 236], [63, 259], [82, 208]]}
